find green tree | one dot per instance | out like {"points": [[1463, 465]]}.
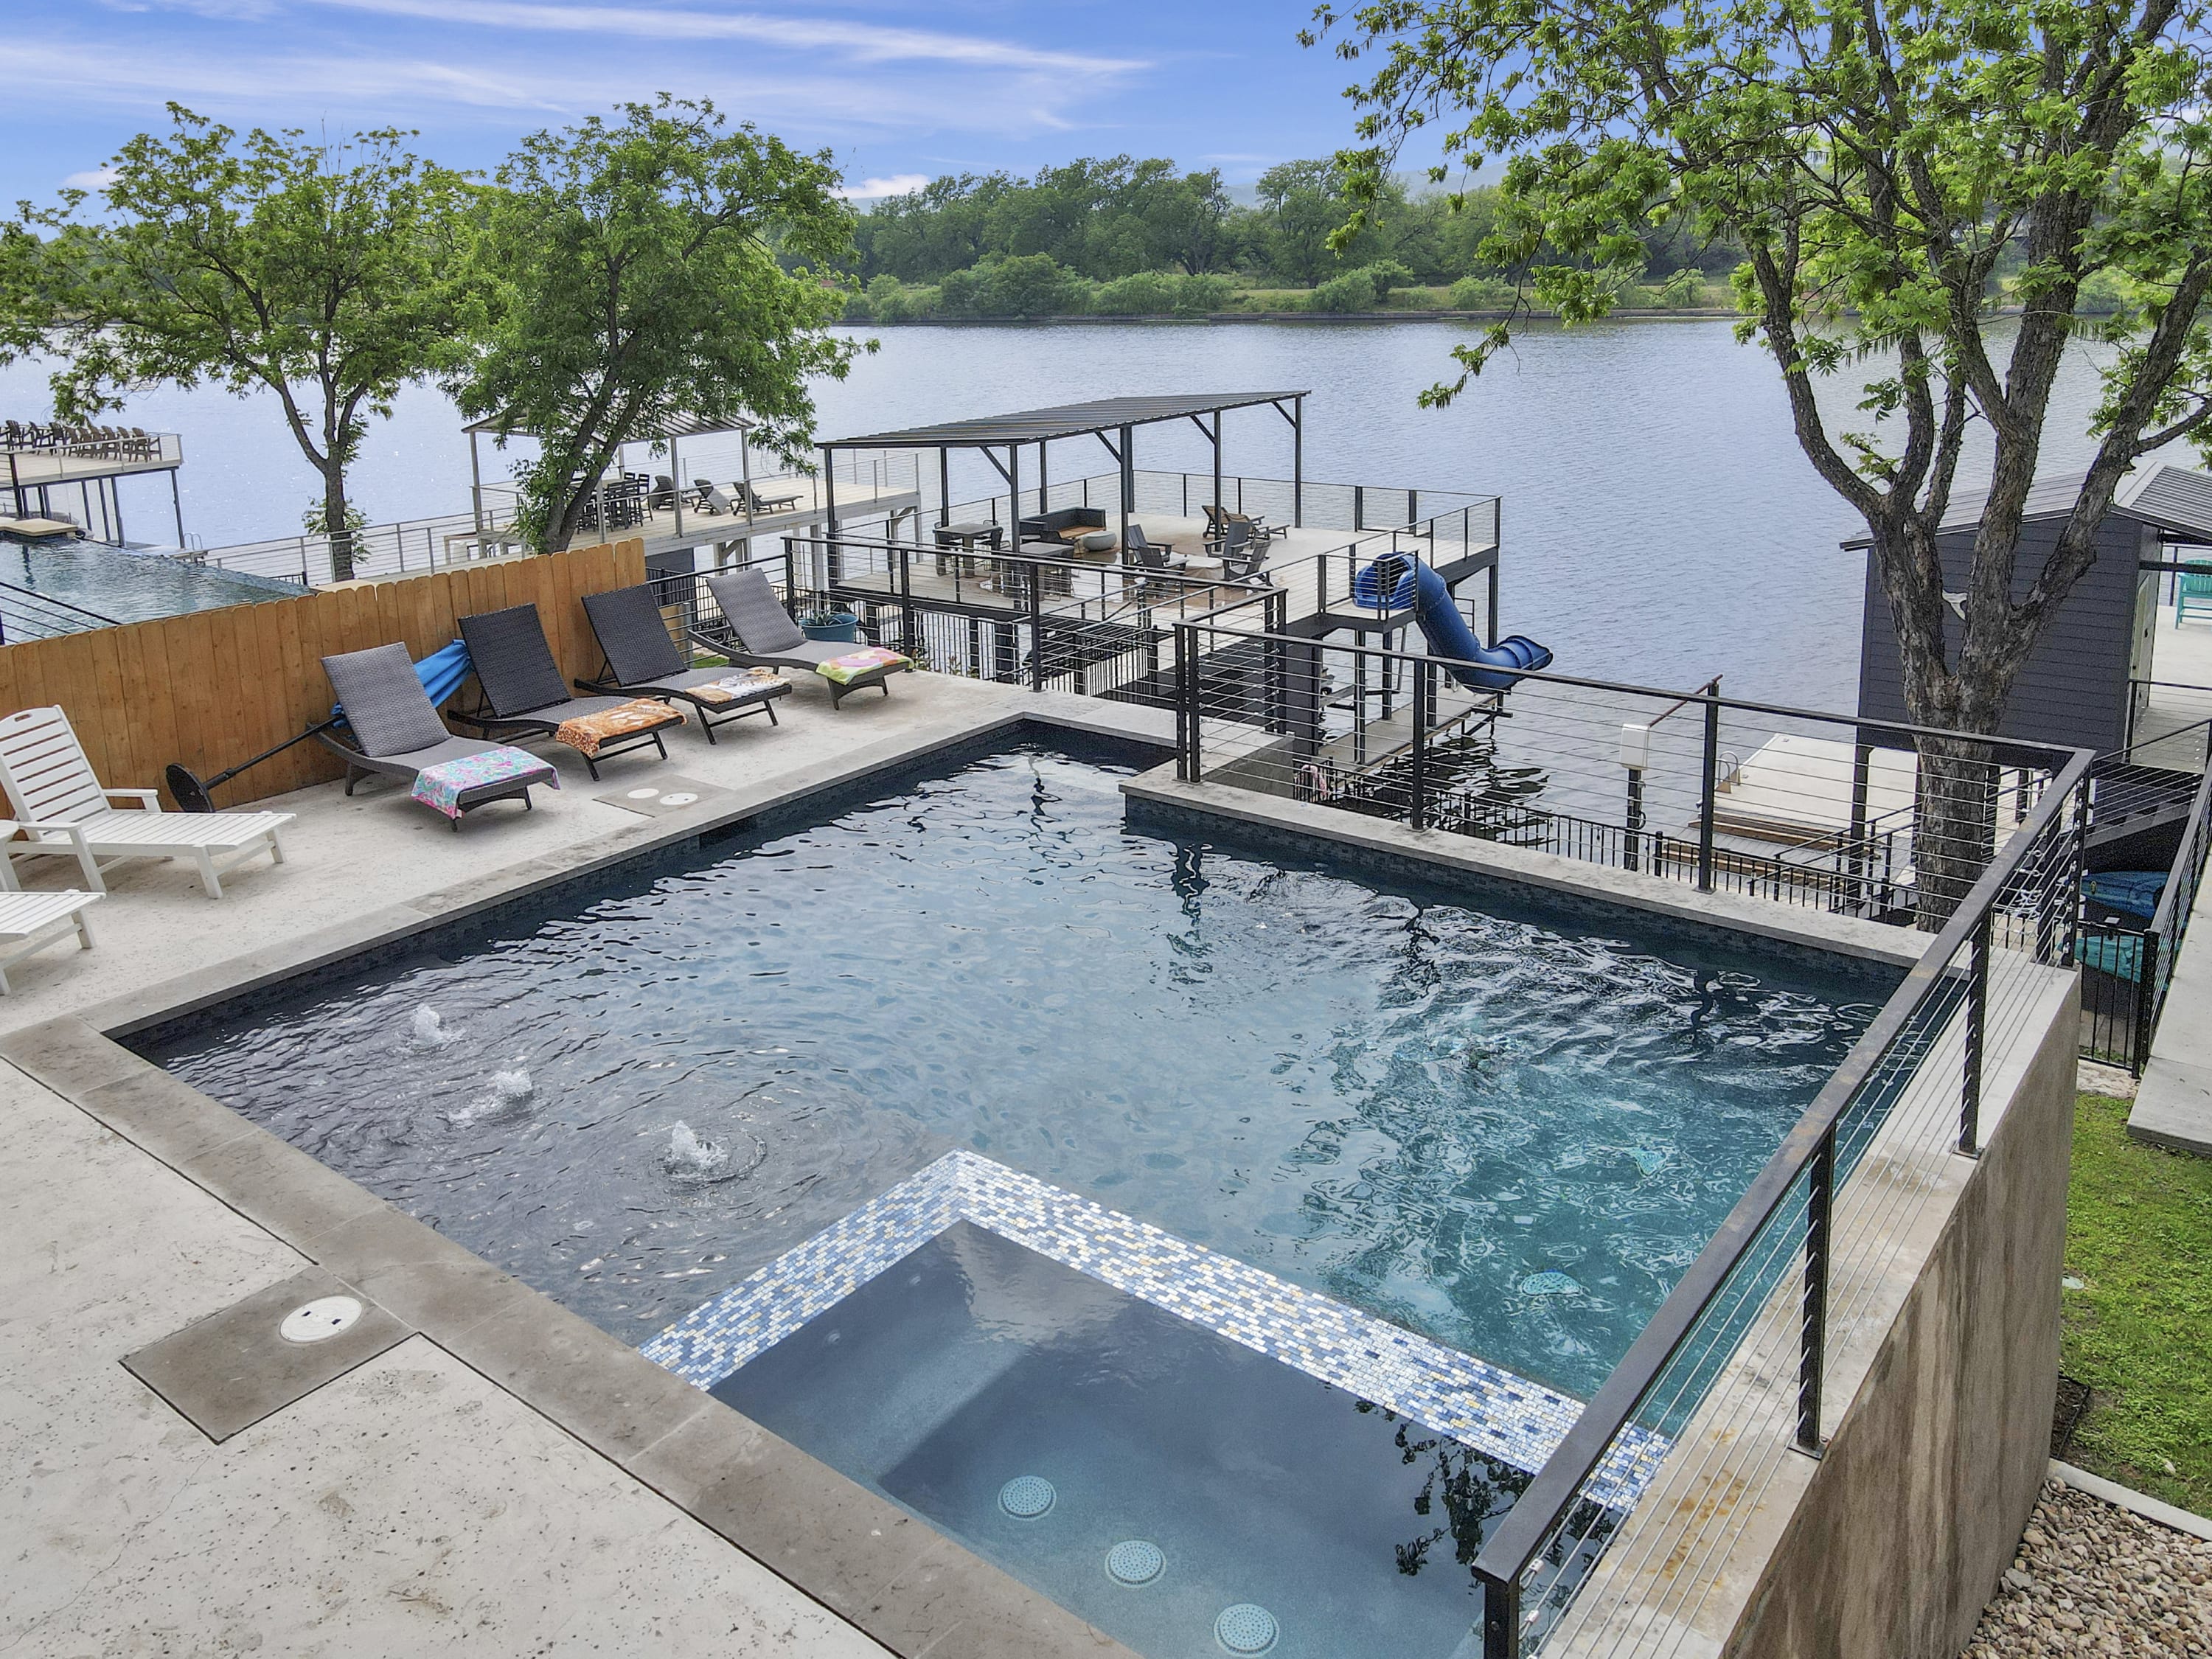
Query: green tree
{"points": [[662, 265], [1303, 205], [1898, 176], [329, 275]]}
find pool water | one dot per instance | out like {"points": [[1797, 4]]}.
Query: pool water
{"points": [[122, 586], [1505, 1125], [1043, 1419]]}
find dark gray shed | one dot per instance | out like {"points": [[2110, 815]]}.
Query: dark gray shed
{"points": [[2076, 688]]}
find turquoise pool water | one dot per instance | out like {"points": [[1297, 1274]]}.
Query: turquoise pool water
{"points": [[1505, 1125]]}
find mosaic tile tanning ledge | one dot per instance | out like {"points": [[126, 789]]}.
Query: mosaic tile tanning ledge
{"points": [[1483, 1406]]}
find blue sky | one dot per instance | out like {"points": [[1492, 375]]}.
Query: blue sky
{"points": [[898, 90]]}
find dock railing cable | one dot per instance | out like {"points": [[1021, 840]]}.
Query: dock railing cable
{"points": [[1995, 829], [1779, 803], [2161, 941], [27, 614]]}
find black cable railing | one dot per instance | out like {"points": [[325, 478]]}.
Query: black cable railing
{"points": [[27, 614]]}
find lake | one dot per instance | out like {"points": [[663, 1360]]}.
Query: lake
{"points": [[1660, 524]]}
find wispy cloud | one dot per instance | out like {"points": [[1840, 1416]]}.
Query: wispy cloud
{"points": [[94, 179], [871, 190], [861, 42], [283, 88]]}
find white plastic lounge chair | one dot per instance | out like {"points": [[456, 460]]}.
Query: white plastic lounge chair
{"points": [[62, 807], [32, 922]]}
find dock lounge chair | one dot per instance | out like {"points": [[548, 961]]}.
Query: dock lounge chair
{"points": [[763, 632], [64, 813], [1149, 555], [755, 502], [32, 922], [711, 498], [1219, 520], [642, 660], [397, 733], [524, 691]]}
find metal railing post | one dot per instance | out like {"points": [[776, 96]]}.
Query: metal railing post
{"points": [[1037, 627], [1187, 715], [1501, 1617], [2146, 999], [1630, 842], [1424, 697], [1709, 793], [906, 596], [1978, 1020], [1819, 1210]]}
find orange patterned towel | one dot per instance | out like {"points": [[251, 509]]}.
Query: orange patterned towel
{"points": [[586, 733]]}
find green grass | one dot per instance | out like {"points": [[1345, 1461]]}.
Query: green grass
{"points": [[2139, 1332]]}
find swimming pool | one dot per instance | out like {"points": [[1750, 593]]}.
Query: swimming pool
{"points": [[1452, 1142], [125, 586]]}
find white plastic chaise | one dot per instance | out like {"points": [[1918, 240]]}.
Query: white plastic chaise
{"points": [[32, 922], [62, 809]]}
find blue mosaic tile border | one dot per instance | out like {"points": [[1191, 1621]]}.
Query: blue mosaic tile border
{"points": [[1501, 1414]]}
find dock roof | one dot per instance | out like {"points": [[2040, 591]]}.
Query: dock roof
{"points": [[1030, 426]]}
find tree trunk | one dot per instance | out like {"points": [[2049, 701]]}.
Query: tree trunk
{"points": [[1955, 825], [1957, 781], [335, 527]]}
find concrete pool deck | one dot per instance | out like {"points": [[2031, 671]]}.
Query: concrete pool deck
{"points": [[506, 1475]]}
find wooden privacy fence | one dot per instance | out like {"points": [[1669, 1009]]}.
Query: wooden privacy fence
{"points": [[215, 687]]}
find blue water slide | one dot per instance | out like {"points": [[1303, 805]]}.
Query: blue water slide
{"points": [[1398, 582]]}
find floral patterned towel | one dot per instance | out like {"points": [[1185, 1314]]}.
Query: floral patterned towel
{"points": [[856, 664], [442, 786], [748, 686], [586, 733]]}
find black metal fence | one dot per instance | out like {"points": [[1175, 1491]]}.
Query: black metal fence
{"points": [[1800, 808], [1068, 624]]}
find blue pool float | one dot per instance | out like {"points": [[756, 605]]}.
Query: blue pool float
{"points": [[2136, 892], [1397, 582]]}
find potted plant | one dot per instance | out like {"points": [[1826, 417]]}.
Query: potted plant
{"points": [[830, 627]]}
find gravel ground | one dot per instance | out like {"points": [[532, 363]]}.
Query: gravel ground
{"points": [[2091, 1579]]}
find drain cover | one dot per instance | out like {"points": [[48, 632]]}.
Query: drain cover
{"points": [[642, 795], [1245, 1628], [1026, 1497], [1134, 1562], [678, 798], [319, 1319]]}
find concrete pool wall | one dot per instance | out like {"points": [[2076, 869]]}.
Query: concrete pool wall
{"points": [[913, 1592]]}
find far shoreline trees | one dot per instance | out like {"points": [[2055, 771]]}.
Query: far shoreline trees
{"points": [[1120, 237]]}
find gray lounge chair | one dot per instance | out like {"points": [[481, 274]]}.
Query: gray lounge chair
{"points": [[1151, 556], [1240, 551], [642, 661], [397, 732], [761, 631], [755, 502], [523, 689]]}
